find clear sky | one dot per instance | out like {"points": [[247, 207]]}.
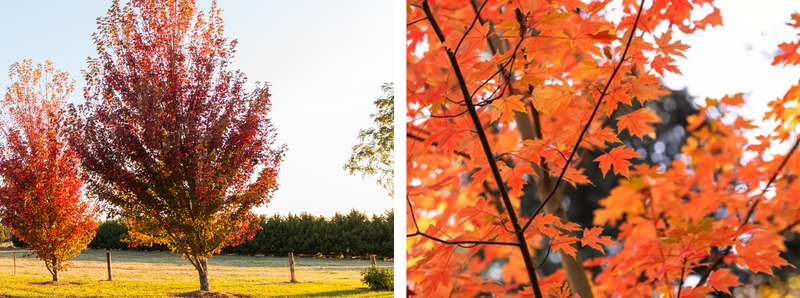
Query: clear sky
{"points": [[325, 66]]}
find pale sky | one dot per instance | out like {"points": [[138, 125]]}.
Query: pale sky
{"points": [[325, 66], [737, 57]]}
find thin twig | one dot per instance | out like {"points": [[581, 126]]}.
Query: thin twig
{"points": [[416, 21], [450, 242], [547, 254], [789, 227], [683, 271], [421, 139], [458, 46]]}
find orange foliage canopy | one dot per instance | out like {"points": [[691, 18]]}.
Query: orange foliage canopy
{"points": [[503, 94], [40, 174]]}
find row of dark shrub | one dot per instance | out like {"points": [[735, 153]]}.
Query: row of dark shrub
{"points": [[351, 234]]}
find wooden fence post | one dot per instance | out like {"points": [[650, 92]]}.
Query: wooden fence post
{"points": [[15, 263], [291, 266], [108, 261], [372, 259]]}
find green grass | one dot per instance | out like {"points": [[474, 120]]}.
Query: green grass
{"points": [[158, 274]]}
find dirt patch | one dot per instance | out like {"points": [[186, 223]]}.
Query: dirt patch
{"points": [[55, 283], [207, 294]]}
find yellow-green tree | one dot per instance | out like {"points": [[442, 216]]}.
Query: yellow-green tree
{"points": [[374, 154]]}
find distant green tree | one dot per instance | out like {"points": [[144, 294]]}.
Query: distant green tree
{"points": [[374, 154]]}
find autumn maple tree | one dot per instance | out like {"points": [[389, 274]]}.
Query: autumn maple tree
{"points": [[509, 97], [168, 134], [41, 191]]}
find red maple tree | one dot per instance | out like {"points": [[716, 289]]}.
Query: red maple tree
{"points": [[41, 197], [169, 135]]}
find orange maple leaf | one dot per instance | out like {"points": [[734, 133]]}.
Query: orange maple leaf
{"points": [[473, 211], [618, 157], [765, 143], [592, 238], [533, 149], [758, 255], [564, 243], [508, 105], [558, 292], [638, 123], [670, 49], [735, 100], [796, 19], [436, 280], [542, 224], [551, 99], [514, 177], [714, 19], [661, 63], [790, 54], [723, 279], [599, 137]]}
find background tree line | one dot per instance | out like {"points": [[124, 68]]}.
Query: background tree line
{"points": [[351, 234]]}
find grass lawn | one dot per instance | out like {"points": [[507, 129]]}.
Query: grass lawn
{"points": [[158, 274]]}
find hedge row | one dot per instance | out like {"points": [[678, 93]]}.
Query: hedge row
{"points": [[351, 234]]}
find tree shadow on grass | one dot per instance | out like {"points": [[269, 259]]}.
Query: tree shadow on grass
{"points": [[56, 283], [339, 293], [336, 293]]}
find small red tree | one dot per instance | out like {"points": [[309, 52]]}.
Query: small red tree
{"points": [[41, 187], [170, 137]]}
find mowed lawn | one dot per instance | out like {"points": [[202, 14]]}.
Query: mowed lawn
{"points": [[160, 274]]}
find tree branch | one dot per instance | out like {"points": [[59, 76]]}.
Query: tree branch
{"points": [[789, 227], [416, 21], [526, 255], [421, 139], [450, 242], [680, 283]]}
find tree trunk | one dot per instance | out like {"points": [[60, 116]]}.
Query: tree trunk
{"points": [[573, 267], [55, 270], [202, 271]]}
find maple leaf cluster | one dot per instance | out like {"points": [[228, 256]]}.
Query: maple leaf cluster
{"points": [[504, 95]]}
